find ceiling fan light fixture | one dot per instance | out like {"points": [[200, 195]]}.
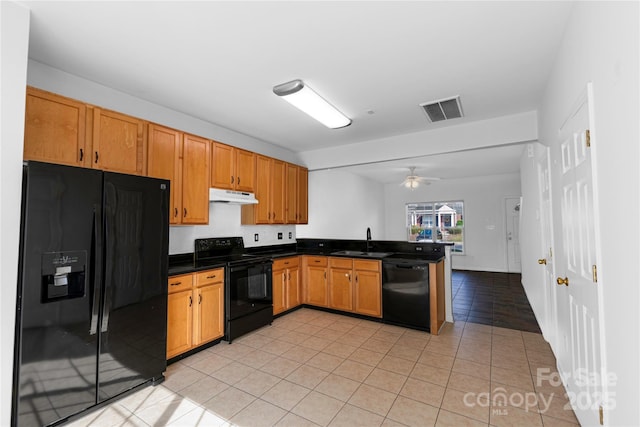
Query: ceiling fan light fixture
{"points": [[306, 100]]}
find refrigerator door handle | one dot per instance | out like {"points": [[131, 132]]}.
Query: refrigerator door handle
{"points": [[96, 277]]}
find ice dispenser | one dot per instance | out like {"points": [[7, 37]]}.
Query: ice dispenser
{"points": [[63, 275]]}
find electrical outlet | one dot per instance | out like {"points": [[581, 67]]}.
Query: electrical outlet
{"points": [[290, 235], [255, 237], [279, 236]]}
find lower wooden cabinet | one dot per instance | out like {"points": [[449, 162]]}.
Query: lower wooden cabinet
{"points": [[286, 284], [195, 310], [314, 281], [341, 284], [367, 291]]}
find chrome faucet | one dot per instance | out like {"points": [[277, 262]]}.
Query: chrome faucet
{"points": [[368, 239]]}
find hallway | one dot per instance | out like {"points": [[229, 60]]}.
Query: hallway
{"points": [[495, 299]]}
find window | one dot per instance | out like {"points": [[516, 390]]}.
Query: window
{"points": [[442, 220]]}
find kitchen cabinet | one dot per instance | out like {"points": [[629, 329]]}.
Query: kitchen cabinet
{"points": [[297, 194], [118, 143], [232, 168], [179, 315], [341, 284], [355, 285], [286, 284], [367, 291], [315, 280], [55, 129], [195, 310], [270, 192], [66, 131], [184, 160], [291, 185], [303, 195]]}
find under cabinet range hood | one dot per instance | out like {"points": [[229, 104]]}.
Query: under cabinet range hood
{"points": [[229, 196]]}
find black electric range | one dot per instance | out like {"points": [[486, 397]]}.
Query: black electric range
{"points": [[248, 283]]}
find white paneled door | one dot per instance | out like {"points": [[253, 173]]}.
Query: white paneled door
{"points": [[512, 213], [548, 324], [579, 358]]}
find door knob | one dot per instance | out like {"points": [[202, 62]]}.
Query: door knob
{"points": [[542, 261], [561, 281]]}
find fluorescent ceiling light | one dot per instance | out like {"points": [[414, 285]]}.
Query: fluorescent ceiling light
{"points": [[305, 99]]}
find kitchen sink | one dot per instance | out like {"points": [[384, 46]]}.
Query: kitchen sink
{"points": [[360, 254]]}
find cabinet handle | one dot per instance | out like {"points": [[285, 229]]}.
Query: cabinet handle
{"points": [[232, 179], [175, 212], [356, 278], [199, 298], [96, 161], [325, 275], [176, 283], [286, 263], [238, 180], [185, 212], [190, 300], [211, 277], [269, 215], [316, 260], [81, 154]]}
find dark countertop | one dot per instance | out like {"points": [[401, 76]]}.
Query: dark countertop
{"points": [[430, 252]]}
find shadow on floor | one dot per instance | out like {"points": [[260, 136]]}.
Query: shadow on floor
{"points": [[495, 299]]}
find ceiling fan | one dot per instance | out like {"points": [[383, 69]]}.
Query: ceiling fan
{"points": [[412, 180]]}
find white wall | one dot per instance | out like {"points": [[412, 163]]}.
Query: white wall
{"points": [[342, 205], [224, 221], [14, 37], [484, 215], [601, 45]]}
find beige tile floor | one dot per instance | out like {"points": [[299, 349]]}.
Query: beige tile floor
{"points": [[315, 368]]}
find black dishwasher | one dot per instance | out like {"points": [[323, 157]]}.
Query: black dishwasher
{"points": [[405, 291]]}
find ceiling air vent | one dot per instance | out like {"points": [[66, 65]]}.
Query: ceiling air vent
{"points": [[443, 109]]}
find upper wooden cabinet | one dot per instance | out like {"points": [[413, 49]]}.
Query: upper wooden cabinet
{"points": [[291, 185], [118, 143], [303, 196], [270, 192], [232, 168], [297, 194], [184, 160], [54, 129]]}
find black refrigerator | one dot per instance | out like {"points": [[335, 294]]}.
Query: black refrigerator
{"points": [[92, 289]]}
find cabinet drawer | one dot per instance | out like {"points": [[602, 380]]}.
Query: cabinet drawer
{"points": [[282, 263], [209, 276], [361, 264], [341, 263], [180, 283], [319, 261]]}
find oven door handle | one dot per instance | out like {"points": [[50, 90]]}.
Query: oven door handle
{"points": [[249, 263]]}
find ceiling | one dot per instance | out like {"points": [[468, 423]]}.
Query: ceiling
{"points": [[376, 61]]}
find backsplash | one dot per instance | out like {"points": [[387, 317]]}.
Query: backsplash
{"points": [[224, 221]]}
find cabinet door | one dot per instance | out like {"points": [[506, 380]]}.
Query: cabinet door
{"points": [[293, 287], [263, 172], [278, 291], [222, 166], [291, 193], [164, 162], [277, 195], [179, 322], [195, 180], [340, 289], [118, 143], [303, 196], [368, 293], [317, 286], [54, 129], [245, 171], [208, 316]]}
